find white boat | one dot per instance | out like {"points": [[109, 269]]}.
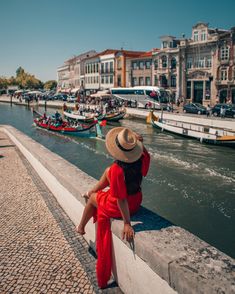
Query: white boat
{"points": [[76, 116], [208, 134]]}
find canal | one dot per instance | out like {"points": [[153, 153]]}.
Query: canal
{"points": [[190, 184]]}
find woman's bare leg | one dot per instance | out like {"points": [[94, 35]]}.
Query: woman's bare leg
{"points": [[87, 213]]}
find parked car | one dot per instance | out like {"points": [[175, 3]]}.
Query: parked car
{"points": [[62, 97], [72, 98], [229, 110], [194, 108]]}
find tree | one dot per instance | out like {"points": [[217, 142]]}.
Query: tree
{"points": [[20, 71], [50, 85], [3, 83]]}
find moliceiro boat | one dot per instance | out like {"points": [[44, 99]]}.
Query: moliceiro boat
{"points": [[88, 130], [203, 133], [88, 118], [113, 117], [81, 118]]}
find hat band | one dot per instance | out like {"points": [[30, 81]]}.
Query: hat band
{"points": [[120, 146]]}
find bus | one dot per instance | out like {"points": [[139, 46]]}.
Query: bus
{"points": [[143, 96]]}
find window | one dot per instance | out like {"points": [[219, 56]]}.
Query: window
{"points": [[188, 90], [189, 63], [201, 62], [106, 79], [147, 81], [102, 80], [203, 35], [134, 82], [111, 66], [173, 63], [111, 80], [195, 36], [208, 61], [147, 64], [141, 65], [164, 44], [102, 67], [141, 81], [223, 75], [134, 65], [173, 81], [155, 80], [106, 67], [97, 67], [164, 61], [224, 53]]}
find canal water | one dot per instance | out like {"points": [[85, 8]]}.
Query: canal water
{"points": [[190, 184]]}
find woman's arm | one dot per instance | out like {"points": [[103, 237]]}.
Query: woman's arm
{"points": [[128, 231], [103, 183]]}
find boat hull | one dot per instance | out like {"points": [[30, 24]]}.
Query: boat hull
{"points": [[205, 134], [81, 131]]}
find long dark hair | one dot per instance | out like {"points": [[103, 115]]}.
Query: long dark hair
{"points": [[133, 175]]}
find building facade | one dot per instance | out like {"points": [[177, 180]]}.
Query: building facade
{"points": [[198, 69]]}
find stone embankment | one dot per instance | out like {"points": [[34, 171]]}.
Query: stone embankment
{"points": [[165, 258]]}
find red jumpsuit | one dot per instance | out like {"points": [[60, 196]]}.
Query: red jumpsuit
{"points": [[108, 208]]}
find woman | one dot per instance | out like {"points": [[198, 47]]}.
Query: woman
{"points": [[123, 197]]}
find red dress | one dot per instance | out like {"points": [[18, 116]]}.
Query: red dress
{"points": [[108, 208]]}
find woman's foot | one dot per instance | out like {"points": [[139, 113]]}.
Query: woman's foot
{"points": [[80, 230]]}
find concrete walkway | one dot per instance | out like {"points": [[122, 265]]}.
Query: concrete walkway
{"points": [[39, 249]]}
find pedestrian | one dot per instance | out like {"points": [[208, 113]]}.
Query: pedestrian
{"points": [[208, 110], [222, 112], [121, 199]]}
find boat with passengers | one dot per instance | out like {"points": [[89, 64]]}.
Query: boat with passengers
{"points": [[143, 96], [204, 133], [58, 125]]}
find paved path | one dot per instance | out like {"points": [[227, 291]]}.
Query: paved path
{"points": [[39, 249]]}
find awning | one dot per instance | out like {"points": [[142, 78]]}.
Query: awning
{"points": [[65, 90], [75, 90], [101, 94]]}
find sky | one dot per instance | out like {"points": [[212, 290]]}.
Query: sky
{"points": [[39, 35]]}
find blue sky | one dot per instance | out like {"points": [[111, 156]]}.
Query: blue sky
{"points": [[40, 34]]}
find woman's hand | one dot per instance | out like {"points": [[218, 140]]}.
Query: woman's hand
{"points": [[128, 233], [139, 137], [88, 194]]}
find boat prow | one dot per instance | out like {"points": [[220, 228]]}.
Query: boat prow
{"points": [[204, 133]]}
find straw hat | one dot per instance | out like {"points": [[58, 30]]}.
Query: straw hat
{"points": [[123, 145]]}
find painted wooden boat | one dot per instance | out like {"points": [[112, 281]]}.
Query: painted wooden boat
{"points": [[81, 130], [77, 117], [113, 117], [208, 134]]}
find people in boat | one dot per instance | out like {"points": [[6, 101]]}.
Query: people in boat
{"points": [[123, 197], [76, 107], [64, 107]]}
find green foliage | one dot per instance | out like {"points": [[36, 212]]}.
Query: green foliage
{"points": [[50, 85], [23, 79], [3, 83]]}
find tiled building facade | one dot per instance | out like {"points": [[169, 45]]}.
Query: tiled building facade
{"points": [[198, 69]]}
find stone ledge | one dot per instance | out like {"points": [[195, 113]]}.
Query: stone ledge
{"points": [[162, 250]]}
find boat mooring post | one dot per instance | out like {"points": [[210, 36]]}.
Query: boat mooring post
{"points": [[45, 105], [162, 113], [11, 100]]}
